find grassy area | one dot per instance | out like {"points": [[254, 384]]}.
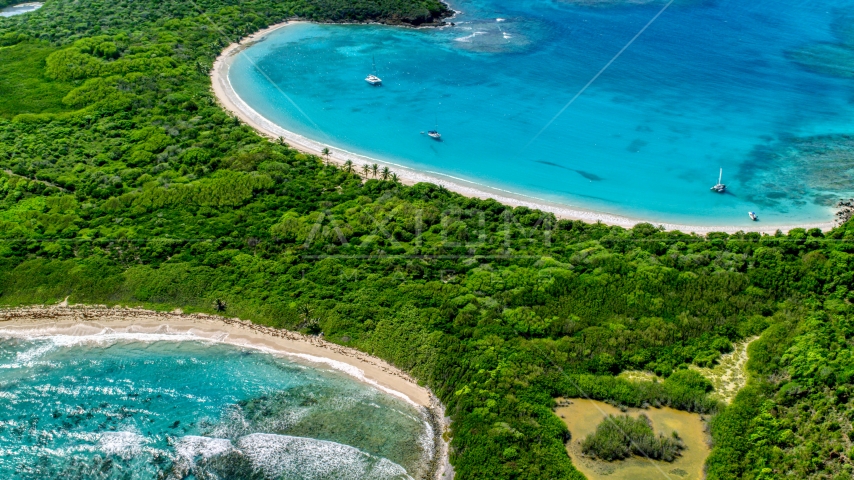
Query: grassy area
{"points": [[24, 88]]}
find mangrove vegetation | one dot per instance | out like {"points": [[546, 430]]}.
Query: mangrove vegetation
{"points": [[619, 437]]}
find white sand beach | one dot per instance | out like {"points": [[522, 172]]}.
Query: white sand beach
{"points": [[231, 101], [96, 320]]}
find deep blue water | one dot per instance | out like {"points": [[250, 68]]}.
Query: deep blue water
{"points": [[129, 409], [754, 88]]}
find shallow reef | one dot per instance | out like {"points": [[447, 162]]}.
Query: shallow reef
{"points": [[830, 58], [797, 170]]}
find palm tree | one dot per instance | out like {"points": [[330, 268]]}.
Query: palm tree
{"points": [[305, 312], [385, 173], [348, 166], [365, 169], [374, 169], [220, 305], [395, 178], [325, 152]]}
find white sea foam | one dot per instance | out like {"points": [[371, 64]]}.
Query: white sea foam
{"points": [[468, 38], [298, 457], [274, 454], [28, 358], [123, 444], [192, 447], [344, 367], [84, 335], [79, 335], [283, 456], [353, 371]]}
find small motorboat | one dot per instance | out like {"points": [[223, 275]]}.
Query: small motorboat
{"points": [[753, 216]]}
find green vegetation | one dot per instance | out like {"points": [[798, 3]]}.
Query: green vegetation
{"points": [[620, 437], [795, 417], [24, 86], [412, 12], [123, 182]]}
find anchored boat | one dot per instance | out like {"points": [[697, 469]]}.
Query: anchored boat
{"points": [[753, 216], [434, 134], [373, 79], [719, 187]]}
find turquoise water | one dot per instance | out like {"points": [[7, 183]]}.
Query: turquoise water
{"points": [[123, 408], [19, 9], [762, 89]]}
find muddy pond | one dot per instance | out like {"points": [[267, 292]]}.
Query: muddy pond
{"points": [[583, 416]]}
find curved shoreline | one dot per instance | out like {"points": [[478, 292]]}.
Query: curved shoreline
{"points": [[231, 102], [94, 320]]}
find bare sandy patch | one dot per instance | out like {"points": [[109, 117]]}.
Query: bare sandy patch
{"points": [[730, 374]]}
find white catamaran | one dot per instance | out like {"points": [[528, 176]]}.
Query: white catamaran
{"points": [[373, 79], [720, 187]]}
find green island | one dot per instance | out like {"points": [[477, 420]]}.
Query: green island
{"points": [[123, 182]]}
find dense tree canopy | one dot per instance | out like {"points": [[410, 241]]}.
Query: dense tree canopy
{"points": [[123, 182]]}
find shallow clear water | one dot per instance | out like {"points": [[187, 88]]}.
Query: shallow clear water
{"points": [[19, 9], [130, 409], [745, 86]]}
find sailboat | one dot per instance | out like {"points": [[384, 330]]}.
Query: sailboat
{"points": [[434, 134], [719, 187], [373, 79]]}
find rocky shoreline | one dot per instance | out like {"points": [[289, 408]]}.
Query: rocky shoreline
{"points": [[844, 210]]}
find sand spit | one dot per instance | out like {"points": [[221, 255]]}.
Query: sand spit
{"points": [[231, 101], [97, 320]]}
